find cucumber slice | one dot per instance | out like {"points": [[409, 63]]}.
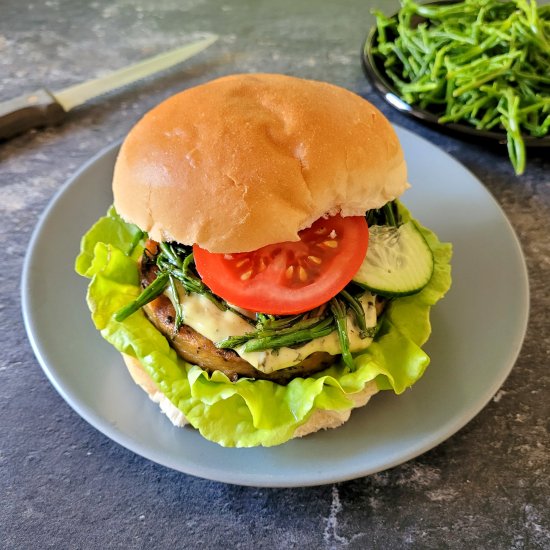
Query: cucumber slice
{"points": [[399, 261]]}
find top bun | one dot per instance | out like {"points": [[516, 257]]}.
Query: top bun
{"points": [[249, 160]]}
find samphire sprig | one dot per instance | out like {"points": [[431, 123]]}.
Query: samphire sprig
{"points": [[480, 62], [387, 215], [174, 262], [272, 332]]}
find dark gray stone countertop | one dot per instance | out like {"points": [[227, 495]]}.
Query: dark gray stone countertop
{"points": [[65, 485]]}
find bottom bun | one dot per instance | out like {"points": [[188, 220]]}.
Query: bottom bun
{"points": [[319, 420], [142, 379]]}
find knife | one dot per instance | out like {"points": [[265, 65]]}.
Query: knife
{"points": [[43, 107]]}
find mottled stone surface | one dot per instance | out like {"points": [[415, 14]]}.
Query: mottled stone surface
{"points": [[65, 485]]}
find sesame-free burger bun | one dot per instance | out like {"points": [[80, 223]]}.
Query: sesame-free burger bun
{"points": [[249, 160]]}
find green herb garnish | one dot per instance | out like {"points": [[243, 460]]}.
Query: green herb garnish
{"points": [[173, 263], [387, 215], [338, 309], [155, 289]]}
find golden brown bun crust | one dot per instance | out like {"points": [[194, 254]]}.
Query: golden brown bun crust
{"points": [[319, 420], [249, 160]]}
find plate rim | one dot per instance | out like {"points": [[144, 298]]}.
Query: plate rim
{"points": [[430, 441]]}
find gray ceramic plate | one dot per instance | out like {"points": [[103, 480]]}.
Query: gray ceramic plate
{"points": [[477, 334]]}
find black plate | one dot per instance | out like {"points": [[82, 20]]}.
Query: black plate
{"points": [[374, 70]]}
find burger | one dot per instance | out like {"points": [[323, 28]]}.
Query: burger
{"points": [[257, 270]]}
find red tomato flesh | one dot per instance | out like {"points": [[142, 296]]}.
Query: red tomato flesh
{"points": [[289, 277]]}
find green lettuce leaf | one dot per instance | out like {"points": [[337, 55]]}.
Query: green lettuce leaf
{"points": [[108, 229], [251, 412]]}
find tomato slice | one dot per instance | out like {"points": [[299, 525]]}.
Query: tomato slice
{"points": [[289, 277]]}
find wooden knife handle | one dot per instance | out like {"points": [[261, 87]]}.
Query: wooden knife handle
{"points": [[28, 111]]}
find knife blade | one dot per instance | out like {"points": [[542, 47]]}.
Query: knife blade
{"points": [[44, 107]]}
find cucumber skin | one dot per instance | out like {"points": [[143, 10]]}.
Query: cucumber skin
{"points": [[399, 294]]}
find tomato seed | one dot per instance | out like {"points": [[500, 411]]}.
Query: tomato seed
{"points": [[314, 259]]}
